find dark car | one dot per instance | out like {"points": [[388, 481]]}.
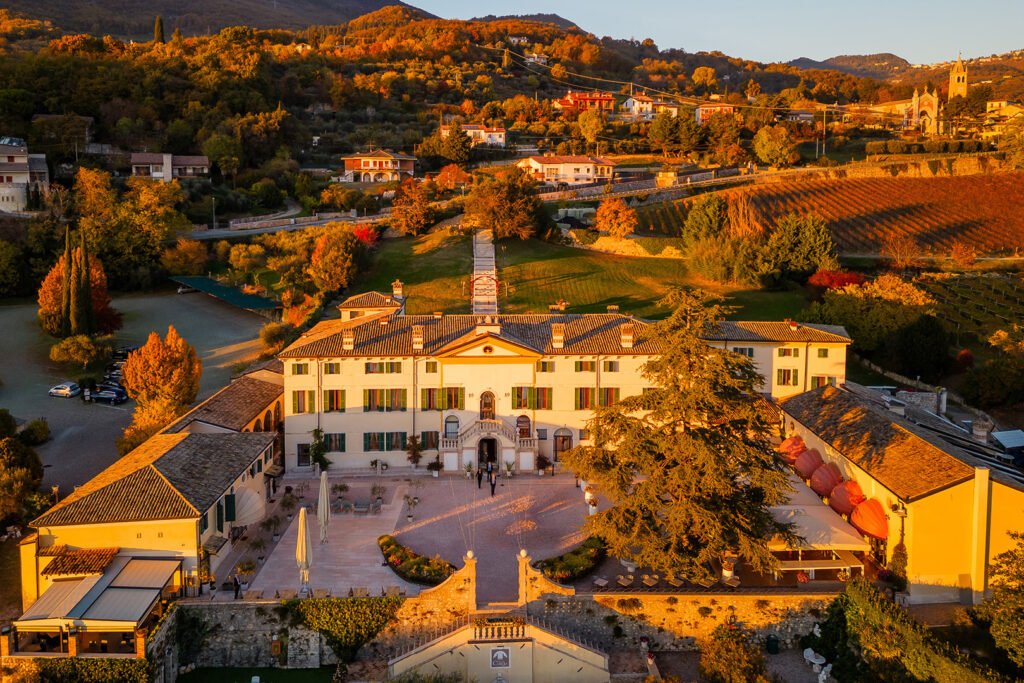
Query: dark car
{"points": [[112, 386], [121, 352], [109, 396], [117, 382]]}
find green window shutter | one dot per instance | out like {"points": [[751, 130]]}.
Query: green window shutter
{"points": [[341, 443], [387, 441], [220, 516], [204, 522], [462, 398], [423, 399], [796, 378], [327, 400], [341, 399], [366, 441], [778, 376], [295, 403], [577, 391], [403, 397], [366, 400], [229, 507]]}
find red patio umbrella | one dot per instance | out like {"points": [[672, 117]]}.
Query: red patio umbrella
{"points": [[807, 462], [826, 478], [793, 444], [869, 519], [790, 456], [845, 497]]}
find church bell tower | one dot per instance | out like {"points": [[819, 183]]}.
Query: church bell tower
{"points": [[958, 79]]}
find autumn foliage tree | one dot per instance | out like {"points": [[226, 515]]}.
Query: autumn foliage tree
{"points": [[62, 289], [616, 218], [187, 257], [411, 213], [333, 263], [504, 203]]}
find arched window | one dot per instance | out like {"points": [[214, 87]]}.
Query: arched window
{"points": [[523, 426], [487, 406], [451, 427], [268, 421], [563, 442], [277, 414], [257, 426]]}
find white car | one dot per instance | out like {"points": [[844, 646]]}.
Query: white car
{"points": [[66, 390]]}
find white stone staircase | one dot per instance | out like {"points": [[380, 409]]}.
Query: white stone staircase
{"points": [[485, 274]]}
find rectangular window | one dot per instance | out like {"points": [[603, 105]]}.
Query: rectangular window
{"points": [[586, 398], [545, 366], [609, 396], [584, 434], [395, 441], [380, 368], [787, 378], [610, 366], [429, 399], [822, 353], [543, 399], [454, 398], [747, 351], [303, 455], [822, 380], [384, 400], [521, 398], [332, 368], [531, 398], [204, 522], [303, 402], [373, 441], [396, 400], [300, 368], [789, 353], [542, 434], [586, 366], [335, 442], [431, 367], [334, 400], [430, 440]]}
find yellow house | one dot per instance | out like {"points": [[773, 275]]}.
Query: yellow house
{"points": [[947, 498], [177, 500]]}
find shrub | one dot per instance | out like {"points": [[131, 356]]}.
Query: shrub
{"points": [[346, 623], [35, 432], [585, 236], [275, 336], [8, 425], [415, 568], [576, 563], [730, 657], [88, 670]]}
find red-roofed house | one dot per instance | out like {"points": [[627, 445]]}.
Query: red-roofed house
{"points": [[569, 170], [480, 135], [583, 101], [378, 166]]}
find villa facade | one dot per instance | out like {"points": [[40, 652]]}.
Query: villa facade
{"points": [[503, 388]]}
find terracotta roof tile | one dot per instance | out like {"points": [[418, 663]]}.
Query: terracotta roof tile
{"points": [[778, 331], [79, 562], [566, 159], [906, 461], [233, 407], [170, 476], [369, 300]]}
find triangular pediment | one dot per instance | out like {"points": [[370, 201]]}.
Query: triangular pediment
{"points": [[487, 345]]}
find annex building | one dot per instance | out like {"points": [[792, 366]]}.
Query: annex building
{"points": [[500, 388]]}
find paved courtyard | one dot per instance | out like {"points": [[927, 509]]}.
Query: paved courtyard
{"points": [[542, 514]]}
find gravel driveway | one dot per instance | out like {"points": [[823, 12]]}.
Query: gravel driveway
{"points": [[84, 435]]}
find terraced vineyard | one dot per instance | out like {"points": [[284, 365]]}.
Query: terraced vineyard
{"points": [[981, 210], [978, 305]]}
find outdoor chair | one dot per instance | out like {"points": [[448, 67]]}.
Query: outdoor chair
{"points": [[361, 508], [375, 507], [346, 506], [732, 581], [650, 581], [625, 581], [600, 582], [360, 592], [705, 582], [674, 582]]}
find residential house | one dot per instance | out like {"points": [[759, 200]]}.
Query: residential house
{"points": [[579, 102], [20, 173], [704, 111], [157, 522], [537, 58], [639, 106], [480, 135], [504, 388], [168, 167], [568, 170], [378, 166], [911, 483], [671, 107], [999, 115]]}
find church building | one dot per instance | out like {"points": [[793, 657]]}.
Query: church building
{"points": [[924, 110]]}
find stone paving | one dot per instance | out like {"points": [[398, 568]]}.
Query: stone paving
{"points": [[485, 274], [542, 514]]}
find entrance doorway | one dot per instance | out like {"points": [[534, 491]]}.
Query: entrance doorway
{"points": [[563, 443], [487, 450], [487, 406]]}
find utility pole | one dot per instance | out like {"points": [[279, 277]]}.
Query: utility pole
{"points": [[214, 227]]}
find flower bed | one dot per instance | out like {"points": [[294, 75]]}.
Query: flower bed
{"points": [[426, 571], [576, 563]]}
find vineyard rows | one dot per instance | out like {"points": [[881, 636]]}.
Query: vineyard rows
{"points": [[978, 305], [863, 213]]}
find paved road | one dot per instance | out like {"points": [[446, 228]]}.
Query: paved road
{"points": [[84, 435]]}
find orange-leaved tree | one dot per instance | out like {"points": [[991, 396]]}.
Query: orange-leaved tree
{"points": [[616, 218], [51, 297], [333, 262]]}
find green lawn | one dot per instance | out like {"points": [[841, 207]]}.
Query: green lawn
{"points": [[436, 271], [435, 268], [323, 674]]}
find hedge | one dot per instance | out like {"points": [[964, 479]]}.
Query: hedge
{"points": [[576, 563], [426, 571], [346, 623], [585, 236], [867, 637], [92, 670]]}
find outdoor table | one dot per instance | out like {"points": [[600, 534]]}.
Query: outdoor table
{"points": [[600, 582], [625, 581]]}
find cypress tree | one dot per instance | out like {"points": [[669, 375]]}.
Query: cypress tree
{"points": [[86, 290], [65, 307], [76, 314], [158, 29]]}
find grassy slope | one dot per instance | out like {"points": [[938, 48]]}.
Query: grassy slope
{"points": [[538, 274]]}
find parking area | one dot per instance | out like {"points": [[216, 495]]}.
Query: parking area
{"points": [[84, 435]]}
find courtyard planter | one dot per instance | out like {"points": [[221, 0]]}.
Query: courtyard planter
{"points": [[434, 473]]}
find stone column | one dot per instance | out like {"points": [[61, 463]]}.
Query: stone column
{"points": [[5, 641], [73, 643], [524, 571], [140, 643], [469, 572]]}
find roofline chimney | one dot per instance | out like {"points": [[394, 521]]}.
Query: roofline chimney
{"points": [[417, 337], [348, 340], [627, 335], [557, 335]]}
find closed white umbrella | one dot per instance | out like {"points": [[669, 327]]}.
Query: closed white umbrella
{"points": [[303, 557], [323, 507]]}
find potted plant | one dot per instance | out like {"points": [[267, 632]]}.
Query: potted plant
{"points": [[435, 466], [588, 493], [339, 489], [272, 524], [410, 503], [259, 545], [469, 470], [592, 506], [288, 504], [245, 569], [509, 466], [542, 464], [414, 451], [377, 491]]}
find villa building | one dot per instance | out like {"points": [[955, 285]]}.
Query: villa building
{"points": [[480, 135], [168, 167], [910, 482], [20, 172], [379, 166], [579, 102], [706, 110], [503, 388], [640, 106], [569, 170]]}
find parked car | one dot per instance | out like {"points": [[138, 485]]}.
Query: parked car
{"points": [[110, 396], [121, 352], [65, 390], [184, 289], [110, 386]]}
